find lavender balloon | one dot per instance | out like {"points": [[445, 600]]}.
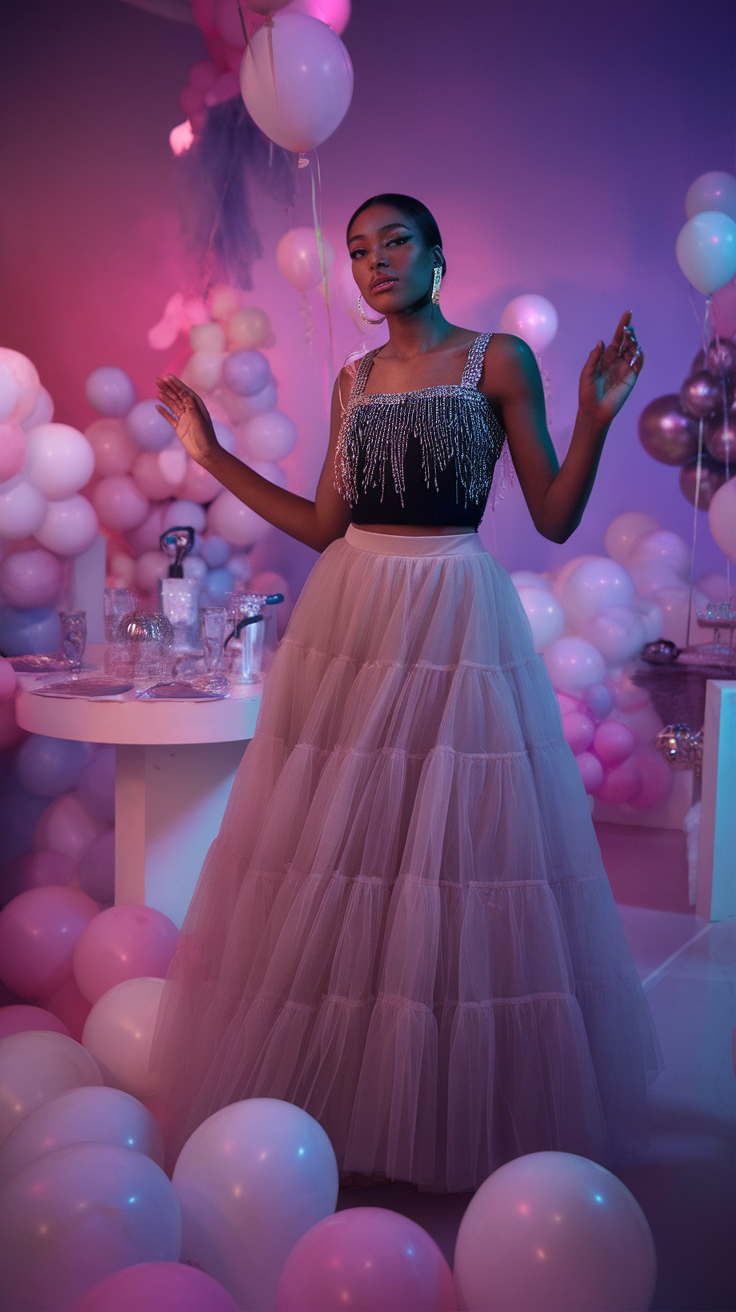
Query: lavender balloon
{"points": [[110, 391], [666, 432], [700, 394], [246, 372], [148, 429]]}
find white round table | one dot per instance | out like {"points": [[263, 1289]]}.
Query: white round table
{"points": [[174, 767]]}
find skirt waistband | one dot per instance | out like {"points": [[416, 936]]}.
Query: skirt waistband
{"points": [[389, 544]]}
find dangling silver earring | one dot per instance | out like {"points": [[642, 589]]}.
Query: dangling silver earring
{"points": [[364, 316], [436, 280]]}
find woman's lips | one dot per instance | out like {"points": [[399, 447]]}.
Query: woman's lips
{"points": [[382, 285]]}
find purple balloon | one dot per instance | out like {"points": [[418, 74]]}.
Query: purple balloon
{"points": [[20, 812], [96, 868], [666, 432], [720, 441], [215, 550], [37, 869], [219, 584], [598, 701], [712, 476], [246, 372], [24, 632], [148, 429], [96, 783], [701, 394], [110, 391], [165, 1286], [48, 767], [720, 359], [30, 578]]}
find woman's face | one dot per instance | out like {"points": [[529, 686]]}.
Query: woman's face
{"points": [[392, 266]]}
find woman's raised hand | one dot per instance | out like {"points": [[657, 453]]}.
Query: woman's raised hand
{"points": [[189, 418], [609, 374]]}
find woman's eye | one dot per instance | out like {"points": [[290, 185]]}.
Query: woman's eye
{"points": [[355, 253], [397, 241]]}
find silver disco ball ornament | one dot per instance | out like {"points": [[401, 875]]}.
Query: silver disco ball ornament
{"points": [[145, 626], [681, 746]]}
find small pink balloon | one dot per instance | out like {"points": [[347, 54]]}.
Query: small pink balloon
{"points": [[119, 503], [199, 484], [38, 933], [163, 1286], [568, 704], [123, 942], [70, 1006], [12, 451], [613, 742], [366, 1257], [591, 771], [150, 479], [657, 779], [66, 826], [146, 536], [31, 578], [113, 446], [8, 680], [578, 730], [25, 376], [620, 783], [20, 1018]]}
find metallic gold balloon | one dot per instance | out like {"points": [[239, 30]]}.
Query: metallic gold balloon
{"points": [[666, 432]]}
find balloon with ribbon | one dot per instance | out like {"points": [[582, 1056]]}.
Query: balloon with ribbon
{"points": [[666, 432], [706, 250], [297, 256], [711, 191]]}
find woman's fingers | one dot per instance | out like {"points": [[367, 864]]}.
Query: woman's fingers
{"points": [[167, 415]]}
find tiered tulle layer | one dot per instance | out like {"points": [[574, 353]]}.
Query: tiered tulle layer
{"points": [[404, 925]]}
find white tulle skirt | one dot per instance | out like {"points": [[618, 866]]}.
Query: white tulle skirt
{"points": [[404, 925]]}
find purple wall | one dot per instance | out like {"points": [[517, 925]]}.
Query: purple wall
{"points": [[554, 143]]}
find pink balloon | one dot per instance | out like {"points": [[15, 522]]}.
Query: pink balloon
{"points": [[31, 578], [163, 1286], [121, 943], [38, 933], [613, 742], [591, 771], [25, 376], [568, 704], [19, 1019], [297, 256], [66, 826], [335, 13], [657, 779], [532, 318], [235, 522], [366, 1257], [119, 503], [70, 1006], [620, 783], [199, 485], [12, 451], [578, 730], [38, 869], [150, 479], [146, 536], [8, 680], [69, 527], [113, 446]]}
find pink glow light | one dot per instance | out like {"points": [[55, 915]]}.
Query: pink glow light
{"points": [[181, 137]]}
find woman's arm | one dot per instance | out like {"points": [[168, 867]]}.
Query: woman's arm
{"points": [[316, 523], [557, 496]]}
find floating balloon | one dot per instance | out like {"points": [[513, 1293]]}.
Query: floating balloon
{"points": [[22, 509], [241, 408], [706, 250], [149, 568], [48, 767], [146, 536], [552, 1230], [163, 1286], [544, 613], [9, 391], [20, 1019], [573, 664], [651, 617], [147, 427], [525, 578], [657, 779], [38, 933], [666, 432], [313, 85], [705, 486], [95, 870], [673, 602], [195, 568], [595, 583], [60, 460], [90, 1114], [722, 518], [119, 1033], [251, 1180], [246, 372], [36, 1066], [663, 549], [19, 384], [714, 586], [236, 522], [268, 437], [712, 191], [249, 327], [69, 527], [366, 1257], [110, 391], [31, 578], [533, 318], [270, 470], [701, 395], [66, 826], [8, 680], [77, 1215], [723, 310], [123, 943], [297, 256], [12, 451], [220, 583], [113, 447]]}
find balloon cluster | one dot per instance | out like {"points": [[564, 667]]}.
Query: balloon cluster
{"points": [[589, 620], [695, 429]]}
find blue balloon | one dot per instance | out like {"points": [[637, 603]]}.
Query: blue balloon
{"points": [[219, 584], [246, 372], [48, 767], [215, 550], [19, 815], [26, 632], [110, 391], [598, 700], [148, 429]]}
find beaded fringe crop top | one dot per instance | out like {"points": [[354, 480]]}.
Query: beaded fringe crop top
{"points": [[424, 457]]}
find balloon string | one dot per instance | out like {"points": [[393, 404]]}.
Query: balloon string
{"points": [[695, 531], [242, 22], [322, 265], [268, 22]]}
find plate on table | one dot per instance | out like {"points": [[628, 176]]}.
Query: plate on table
{"points": [[38, 664], [94, 687], [180, 691]]}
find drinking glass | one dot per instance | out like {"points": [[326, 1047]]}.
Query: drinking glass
{"points": [[118, 602], [73, 626], [214, 620]]}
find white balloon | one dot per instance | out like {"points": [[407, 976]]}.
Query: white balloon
{"points": [[207, 337], [544, 613], [524, 578], [573, 665], [267, 437], [90, 1114], [235, 522], [661, 548], [35, 1067], [722, 518], [9, 392], [673, 603], [712, 191], [595, 583], [617, 632], [69, 527], [533, 318], [623, 531], [22, 508], [651, 617], [24, 375], [203, 369], [648, 579], [119, 1032], [251, 1180], [60, 460], [564, 572]]}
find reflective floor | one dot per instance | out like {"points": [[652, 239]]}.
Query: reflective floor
{"points": [[686, 1180]]}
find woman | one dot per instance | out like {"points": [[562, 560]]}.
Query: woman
{"points": [[404, 925]]}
